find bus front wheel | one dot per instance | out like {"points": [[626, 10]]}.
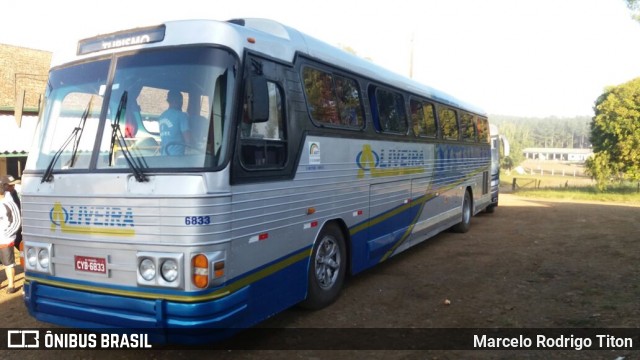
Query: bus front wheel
{"points": [[327, 268]]}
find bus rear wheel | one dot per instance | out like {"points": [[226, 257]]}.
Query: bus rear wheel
{"points": [[327, 268], [465, 223]]}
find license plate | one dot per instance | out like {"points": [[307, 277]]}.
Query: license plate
{"points": [[91, 264]]}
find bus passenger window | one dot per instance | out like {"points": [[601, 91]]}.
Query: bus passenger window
{"points": [[333, 99], [483, 130], [417, 117], [391, 112], [468, 127], [423, 119], [430, 126], [349, 102], [448, 124], [318, 86]]}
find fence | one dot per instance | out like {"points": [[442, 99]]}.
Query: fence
{"points": [[574, 172], [525, 184]]}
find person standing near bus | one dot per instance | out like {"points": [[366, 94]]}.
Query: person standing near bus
{"points": [[16, 199], [10, 222], [175, 132]]}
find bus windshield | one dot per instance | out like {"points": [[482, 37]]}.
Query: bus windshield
{"points": [[176, 113]]}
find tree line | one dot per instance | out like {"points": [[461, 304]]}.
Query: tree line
{"points": [[548, 132]]}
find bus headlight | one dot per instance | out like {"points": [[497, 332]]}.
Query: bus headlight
{"points": [[38, 257], [169, 270], [32, 257], [147, 269], [160, 269], [43, 258]]}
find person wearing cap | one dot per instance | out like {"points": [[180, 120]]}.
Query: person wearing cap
{"points": [[16, 199], [10, 222]]}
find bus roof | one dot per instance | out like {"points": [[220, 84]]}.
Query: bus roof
{"points": [[261, 35]]}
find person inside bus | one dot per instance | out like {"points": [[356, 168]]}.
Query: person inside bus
{"points": [[175, 132], [10, 222]]}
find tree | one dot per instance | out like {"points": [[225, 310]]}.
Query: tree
{"points": [[615, 135], [634, 6]]}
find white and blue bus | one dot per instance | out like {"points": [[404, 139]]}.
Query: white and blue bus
{"points": [[294, 164], [499, 149]]}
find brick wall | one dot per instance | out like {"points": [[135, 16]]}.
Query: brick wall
{"points": [[22, 69]]}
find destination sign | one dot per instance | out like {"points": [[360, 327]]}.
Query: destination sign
{"points": [[121, 39]]}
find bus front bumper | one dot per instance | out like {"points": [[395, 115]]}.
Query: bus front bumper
{"points": [[165, 321]]}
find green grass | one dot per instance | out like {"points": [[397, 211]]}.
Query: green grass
{"points": [[627, 193]]}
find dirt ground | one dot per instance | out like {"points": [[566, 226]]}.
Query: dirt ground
{"points": [[531, 264]]}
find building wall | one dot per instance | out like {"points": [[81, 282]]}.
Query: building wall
{"points": [[22, 69]]}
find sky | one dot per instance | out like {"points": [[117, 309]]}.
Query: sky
{"points": [[534, 58]]}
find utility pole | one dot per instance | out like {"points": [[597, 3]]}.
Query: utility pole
{"points": [[411, 57]]}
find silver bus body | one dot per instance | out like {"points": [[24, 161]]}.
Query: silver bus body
{"points": [[114, 245]]}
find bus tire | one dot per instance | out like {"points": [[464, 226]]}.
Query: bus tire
{"points": [[465, 223], [327, 268]]}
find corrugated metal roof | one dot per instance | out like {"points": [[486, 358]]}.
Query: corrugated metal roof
{"points": [[14, 140]]}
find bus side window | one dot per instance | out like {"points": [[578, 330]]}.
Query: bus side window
{"points": [[264, 144], [333, 99], [467, 127], [417, 117], [391, 112], [448, 124], [483, 130], [430, 126], [423, 119]]}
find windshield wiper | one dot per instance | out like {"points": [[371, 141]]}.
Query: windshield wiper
{"points": [[116, 136], [75, 134], [76, 144]]}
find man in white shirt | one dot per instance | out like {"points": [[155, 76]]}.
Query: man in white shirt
{"points": [[10, 222]]}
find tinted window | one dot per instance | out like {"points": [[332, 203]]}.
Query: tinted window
{"points": [[468, 127], [391, 111], [483, 130], [423, 119], [448, 124], [333, 99]]}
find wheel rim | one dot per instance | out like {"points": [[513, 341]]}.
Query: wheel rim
{"points": [[327, 262]]}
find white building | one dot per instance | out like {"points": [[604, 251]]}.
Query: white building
{"points": [[560, 154]]}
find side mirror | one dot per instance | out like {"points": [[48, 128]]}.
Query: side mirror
{"points": [[258, 99]]}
